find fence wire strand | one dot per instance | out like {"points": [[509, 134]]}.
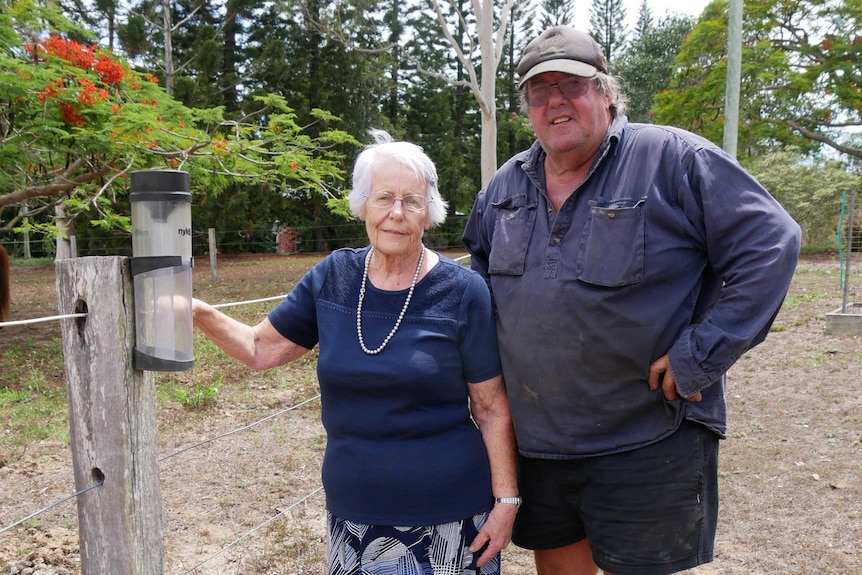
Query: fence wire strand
{"points": [[41, 319], [246, 302], [239, 429], [251, 532], [55, 504], [459, 259]]}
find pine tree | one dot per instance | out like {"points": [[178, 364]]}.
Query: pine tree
{"points": [[646, 66], [645, 20], [556, 13], [608, 27]]}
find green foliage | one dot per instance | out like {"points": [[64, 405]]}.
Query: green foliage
{"points": [[809, 189], [556, 13], [646, 66], [81, 119], [800, 81], [270, 101], [694, 99]]}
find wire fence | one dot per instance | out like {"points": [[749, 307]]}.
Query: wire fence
{"points": [[305, 239], [197, 445], [309, 495], [849, 238], [51, 506]]}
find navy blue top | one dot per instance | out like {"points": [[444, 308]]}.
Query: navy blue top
{"points": [[402, 448], [667, 246]]}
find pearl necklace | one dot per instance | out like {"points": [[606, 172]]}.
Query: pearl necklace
{"points": [[400, 315]]}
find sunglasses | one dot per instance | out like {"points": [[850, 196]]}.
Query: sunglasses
{"points": [[574, 87]]}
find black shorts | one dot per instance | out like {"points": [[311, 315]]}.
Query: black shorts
{"points": [[649, 511]]}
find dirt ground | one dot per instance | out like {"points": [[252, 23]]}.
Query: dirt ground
{"points": [[791, 468]]}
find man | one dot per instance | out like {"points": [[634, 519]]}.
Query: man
{"points": [[631, 265]]}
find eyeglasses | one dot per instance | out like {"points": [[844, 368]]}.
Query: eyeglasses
{"points": [[571, 88], [385, 200]]}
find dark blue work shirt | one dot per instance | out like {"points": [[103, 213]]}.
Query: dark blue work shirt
{"points": [[668, 246]]}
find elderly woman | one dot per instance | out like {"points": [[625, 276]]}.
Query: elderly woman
{"points": [[419, 469]]}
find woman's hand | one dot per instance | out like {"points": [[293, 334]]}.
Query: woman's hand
{"points": [[496, 533]]}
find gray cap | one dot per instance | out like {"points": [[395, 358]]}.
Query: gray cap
{"points": [[561, 49]]}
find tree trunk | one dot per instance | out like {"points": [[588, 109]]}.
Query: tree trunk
{"points": [[488, 104], [169, 59], [230, 54]]}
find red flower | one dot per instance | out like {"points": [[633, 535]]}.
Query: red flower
{"points": [[87, 93], [70, 116], [69, 50], [110, 72], [220, 146]]}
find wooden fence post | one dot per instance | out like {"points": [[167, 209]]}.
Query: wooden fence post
{"points": [[213, 254], [112, 421]]}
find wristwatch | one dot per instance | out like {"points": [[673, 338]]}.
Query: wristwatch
{"points": [[510, 500]]}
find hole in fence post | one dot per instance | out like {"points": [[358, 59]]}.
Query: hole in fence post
{"points": [[80, 307], [98, 476]]}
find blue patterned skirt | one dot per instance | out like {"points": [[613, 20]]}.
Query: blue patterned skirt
{"points": [[359, 549]]}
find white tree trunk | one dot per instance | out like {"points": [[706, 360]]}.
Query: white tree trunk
{"points": [[169, 58], [490, 60], [491, 49]]}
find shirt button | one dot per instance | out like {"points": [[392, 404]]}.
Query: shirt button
{"points": [[556, 239]]}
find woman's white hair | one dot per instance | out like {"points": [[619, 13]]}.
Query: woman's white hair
{"points": [[408, 155]]}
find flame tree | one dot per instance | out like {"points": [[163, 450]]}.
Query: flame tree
{"points": [[75, 120]]}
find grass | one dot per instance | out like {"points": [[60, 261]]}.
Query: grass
{"points": [[297, 544], [806, 297], [32, 408], [810, 272], [33, 411], [24, 262], [19, 361], [198, 396]]}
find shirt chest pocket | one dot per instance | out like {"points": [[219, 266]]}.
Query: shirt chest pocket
{"points": [[611, 252], [514, 221]]}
